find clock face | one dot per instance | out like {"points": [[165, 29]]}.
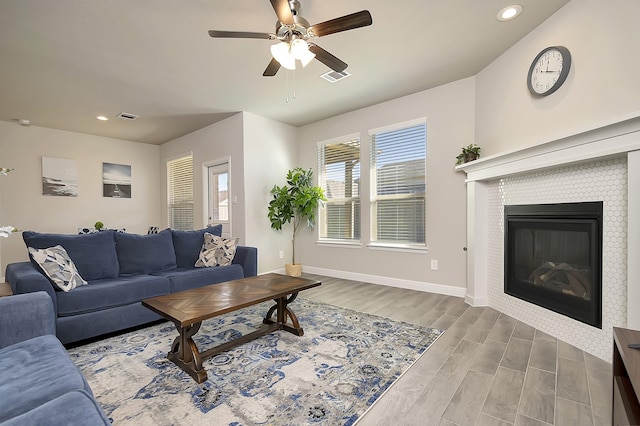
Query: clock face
{"points": [[549, 70]]}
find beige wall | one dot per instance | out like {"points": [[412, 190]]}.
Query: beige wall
{"points": [[602, 86], [219, 141], [449, 112], [23, 205], [270, 150]]}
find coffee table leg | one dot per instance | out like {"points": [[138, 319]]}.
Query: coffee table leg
{"points": [[282, 311], [184, 353]]}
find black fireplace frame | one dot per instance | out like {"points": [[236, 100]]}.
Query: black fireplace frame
{"points": [[587, 216]]}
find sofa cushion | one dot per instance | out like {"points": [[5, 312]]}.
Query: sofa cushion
{"points": [[216, 251], [93, 254], [111, 292], [58, 266], [188, 278], [75, 408], [188, 244], [141, 254], [33, 372]]}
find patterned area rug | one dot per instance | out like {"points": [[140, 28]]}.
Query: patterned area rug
{"points": [[329, 376]]}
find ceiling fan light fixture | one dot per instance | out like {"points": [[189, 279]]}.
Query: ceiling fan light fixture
{"points": [[282, 53], [300, 50]]}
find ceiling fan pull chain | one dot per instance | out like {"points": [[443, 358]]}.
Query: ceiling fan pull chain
{"points": [[294, 84], [286, 74]]}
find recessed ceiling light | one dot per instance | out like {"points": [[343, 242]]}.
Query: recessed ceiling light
{"points": [[102, 118], [509, 12]]}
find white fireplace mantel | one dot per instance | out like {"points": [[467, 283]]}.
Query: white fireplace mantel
{"points": [[612, 139], [606, 140]]}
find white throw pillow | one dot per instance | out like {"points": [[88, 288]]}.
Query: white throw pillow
{"points": [[58, 266], [216, 251]]}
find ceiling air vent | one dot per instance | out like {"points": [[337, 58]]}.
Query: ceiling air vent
{"points": [[127, 116], [333, 76]]}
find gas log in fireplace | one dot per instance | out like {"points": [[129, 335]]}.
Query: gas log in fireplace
{"points": [[553, 256]]}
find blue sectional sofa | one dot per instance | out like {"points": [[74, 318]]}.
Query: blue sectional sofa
{"points": [[39, 384], [121, 270]]}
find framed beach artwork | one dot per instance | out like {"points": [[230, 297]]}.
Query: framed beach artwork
{"points": [[59, 177], [116, 180]]}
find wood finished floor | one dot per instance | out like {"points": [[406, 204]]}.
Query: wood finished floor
{"points": [[487, 368]]}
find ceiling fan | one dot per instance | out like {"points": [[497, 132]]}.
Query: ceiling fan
{"points": [[294, 33]]}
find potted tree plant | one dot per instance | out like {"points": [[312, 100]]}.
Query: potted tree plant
{"points": [[468, 153], [297, 201]]}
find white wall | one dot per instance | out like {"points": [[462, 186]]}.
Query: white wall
{"points": [[222, 140], [270, 150], [449, 112], [23, 205], [602, 85]]}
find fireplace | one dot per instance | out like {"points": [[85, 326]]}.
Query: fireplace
{"points": [[553, 255]]}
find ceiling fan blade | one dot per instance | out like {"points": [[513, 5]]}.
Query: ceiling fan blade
{"points": [[327, 58], [347, 22], [239, 34], [272, 68], [283, 10]]}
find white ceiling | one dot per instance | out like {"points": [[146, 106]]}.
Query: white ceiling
{"points": [[63, 62]]}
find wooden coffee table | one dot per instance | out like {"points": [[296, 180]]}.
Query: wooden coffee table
{"points": [[187, 309]]}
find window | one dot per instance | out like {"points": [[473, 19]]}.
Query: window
{"points": [[398, 183], [180, 193], [339, 177]]}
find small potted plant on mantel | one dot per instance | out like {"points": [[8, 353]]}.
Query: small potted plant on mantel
{"points": [[468, 153], [297, 201]]}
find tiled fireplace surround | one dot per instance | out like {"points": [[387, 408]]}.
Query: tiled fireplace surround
{"points": [[600, 164]]}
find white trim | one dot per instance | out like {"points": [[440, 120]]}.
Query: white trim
{"points": [[398, 126], [406, 248], [339, 243], [388, 281], [633, 239], [611, 140]]}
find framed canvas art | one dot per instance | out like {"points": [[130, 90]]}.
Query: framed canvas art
{"points": [[59, 177], [116, 180]]}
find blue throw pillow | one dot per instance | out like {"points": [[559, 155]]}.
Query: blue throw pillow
{"points": [[143, 254], [93, 254], [188, 244]]}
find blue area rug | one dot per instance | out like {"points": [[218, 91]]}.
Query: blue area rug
{"points": [[330, 376]]}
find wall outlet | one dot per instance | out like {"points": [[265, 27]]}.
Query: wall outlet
{"points": [[434, 265], [281, 254]]}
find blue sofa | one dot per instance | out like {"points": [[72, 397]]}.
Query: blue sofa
{"points": [[121, 270], [39, 384]]}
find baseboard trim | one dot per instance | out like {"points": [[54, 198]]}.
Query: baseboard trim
{"points": [[391, 282], [480, 301]]}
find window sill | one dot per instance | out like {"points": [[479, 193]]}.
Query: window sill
{"points": [[337, 243], [399, 248]]}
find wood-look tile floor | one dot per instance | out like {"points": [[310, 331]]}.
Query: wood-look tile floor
{"points": [[487, 368]]}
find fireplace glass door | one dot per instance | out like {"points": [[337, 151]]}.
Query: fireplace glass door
{"points": [[553, 257]]}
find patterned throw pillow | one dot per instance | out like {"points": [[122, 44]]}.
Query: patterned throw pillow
{"points": [[216, 251], [58, 266]]}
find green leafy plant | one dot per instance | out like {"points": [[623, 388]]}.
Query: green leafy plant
{"points": [[98, 225], [297, 201], [468, 153]]}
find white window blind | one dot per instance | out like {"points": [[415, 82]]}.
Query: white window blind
{"points": [[180, 193], [339, 177], [398, 184]]}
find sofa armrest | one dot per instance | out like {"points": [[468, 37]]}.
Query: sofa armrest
{"points": [[25, 316], [24, 277], [248, 258]]}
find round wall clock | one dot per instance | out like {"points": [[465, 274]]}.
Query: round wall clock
{"points": [[549, 70]]}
